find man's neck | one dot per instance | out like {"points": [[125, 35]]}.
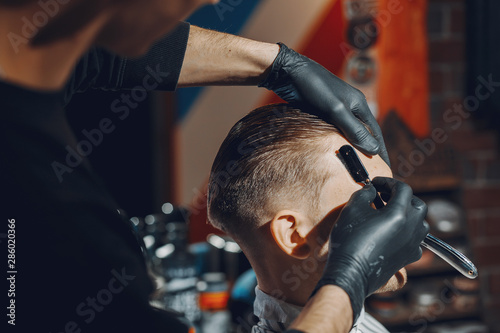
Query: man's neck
{"points": [[285, 278], [46, 67]]}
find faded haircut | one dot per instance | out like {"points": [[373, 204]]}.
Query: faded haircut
{"points": [[272, 159]]}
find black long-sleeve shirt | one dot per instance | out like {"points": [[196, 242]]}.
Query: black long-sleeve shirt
{"points": [[78, 266]]}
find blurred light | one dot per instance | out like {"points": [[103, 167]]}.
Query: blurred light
{"points": [[202, 285], [149, 241], [175, 285], [135, 221], [164, 251], [213, 277], [232, 247], [149, 219], [216, 241], [446, 226], [167, 208]]}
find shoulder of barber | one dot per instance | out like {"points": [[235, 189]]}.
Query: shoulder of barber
{"points": [[129, 28]]}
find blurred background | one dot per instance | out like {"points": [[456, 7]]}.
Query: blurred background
{"points": [[431, 74]]}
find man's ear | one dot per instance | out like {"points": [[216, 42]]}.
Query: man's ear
{"points": [[290, 229]]}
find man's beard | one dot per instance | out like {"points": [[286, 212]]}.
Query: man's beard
{"points": [[397, 281]]}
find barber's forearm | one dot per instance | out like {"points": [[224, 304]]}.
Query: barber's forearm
{"points": [[328, 311], [216, 58]]}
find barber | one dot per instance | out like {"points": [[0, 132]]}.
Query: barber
{"points": [[81, 268]]}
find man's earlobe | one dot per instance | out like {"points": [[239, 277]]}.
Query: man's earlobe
{"points": [[289, 231]]}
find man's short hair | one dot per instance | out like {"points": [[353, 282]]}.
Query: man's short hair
{"points": [[272, 159]]}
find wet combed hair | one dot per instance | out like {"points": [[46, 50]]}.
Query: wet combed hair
{"points": [[273, 158]]}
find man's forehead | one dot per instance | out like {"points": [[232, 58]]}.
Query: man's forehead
{"points": [[341, 185], [374, 165]]}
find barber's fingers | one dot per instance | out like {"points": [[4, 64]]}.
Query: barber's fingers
{"points": [[414, 255], [400, 194], [419, 212], [355, 132], [418, 203], [393, 190], [356, 209], [419, 206], [362, 111], [362, 198], [415, 217]]}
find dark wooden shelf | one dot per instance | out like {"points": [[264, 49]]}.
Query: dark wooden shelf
{"points": [[405, 316]]}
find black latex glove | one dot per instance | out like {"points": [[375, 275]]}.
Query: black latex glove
{"points": [[302, 81], [368, 246]]}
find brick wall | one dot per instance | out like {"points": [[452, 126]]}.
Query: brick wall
{"points": [[478, 148]]}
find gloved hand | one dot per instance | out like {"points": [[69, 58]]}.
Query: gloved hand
{"points": [[302, 81], [368, 246]]}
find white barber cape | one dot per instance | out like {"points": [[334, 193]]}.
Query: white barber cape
{"points": [[276, 315]]}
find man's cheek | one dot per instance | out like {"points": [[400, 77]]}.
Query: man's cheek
{"points": [[323, 253], [396, 282], [404, 276], [390, 285]]}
